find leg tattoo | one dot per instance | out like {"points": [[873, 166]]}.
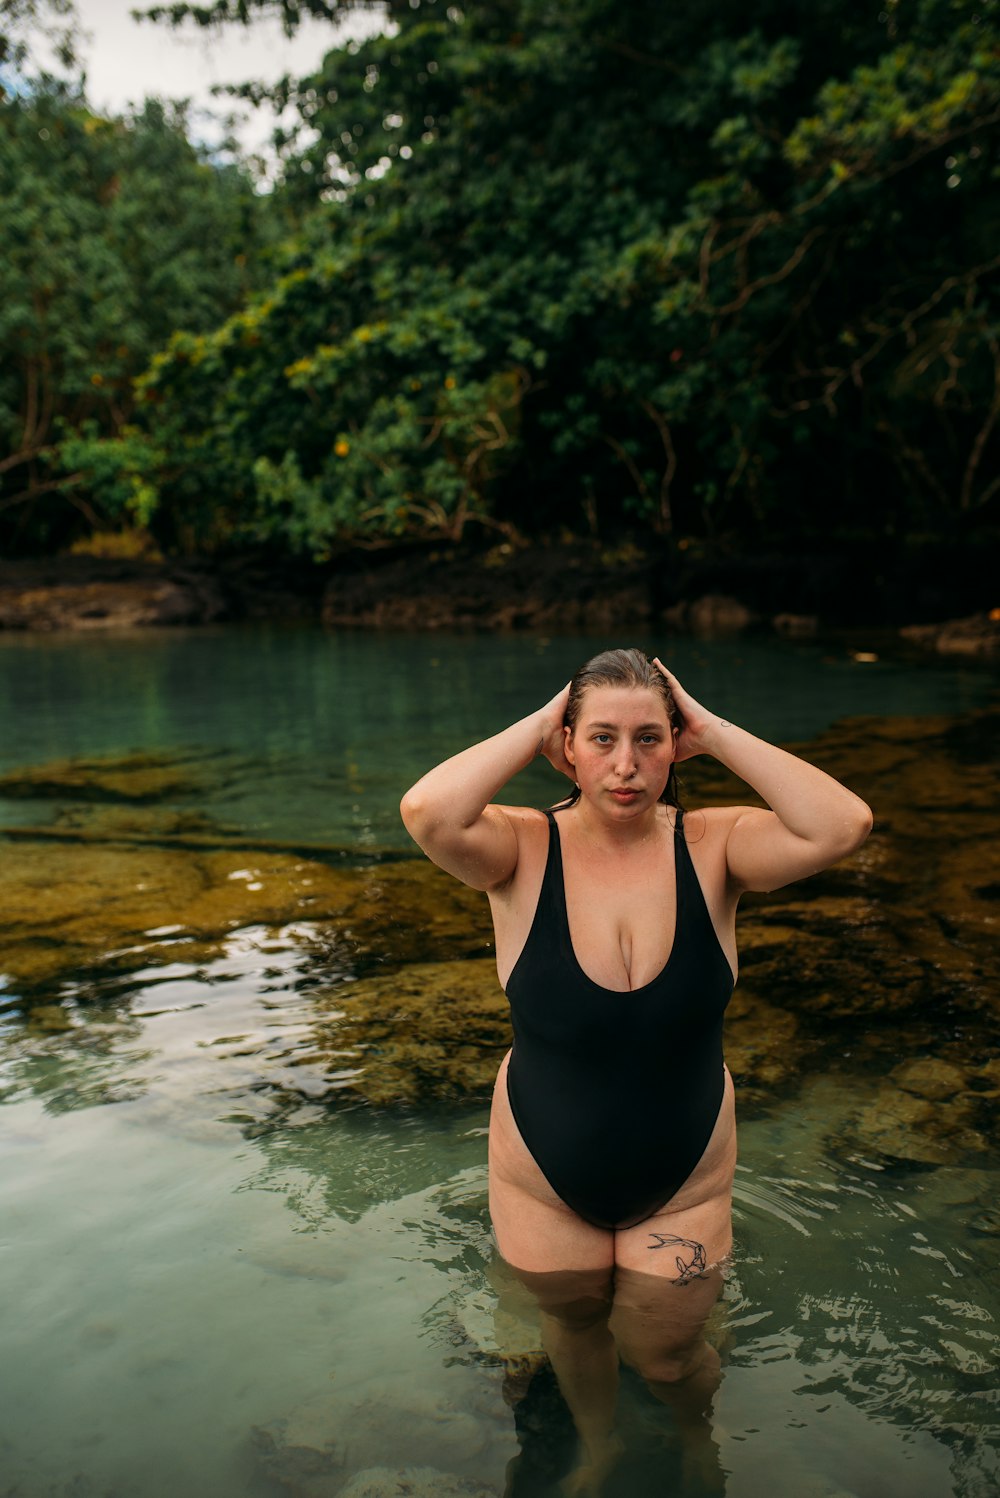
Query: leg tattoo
{"points": [[686, 1271]]}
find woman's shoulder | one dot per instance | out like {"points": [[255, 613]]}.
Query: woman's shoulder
{"points": [[521, 816], [529, 825], [711, 821]]}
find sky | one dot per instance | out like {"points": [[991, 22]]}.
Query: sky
{"points": [[127, 60]]}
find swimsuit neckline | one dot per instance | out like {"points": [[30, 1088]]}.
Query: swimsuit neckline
{"points": [[561, 887]]}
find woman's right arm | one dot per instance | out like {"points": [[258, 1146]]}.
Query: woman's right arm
{"points": [[448, 811]]}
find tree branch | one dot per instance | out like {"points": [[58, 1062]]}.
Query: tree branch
{"points": [[982, 436], [666, 519]]}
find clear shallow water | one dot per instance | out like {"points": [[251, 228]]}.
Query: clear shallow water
{"points": [[196, 1283], [173, 1284]]}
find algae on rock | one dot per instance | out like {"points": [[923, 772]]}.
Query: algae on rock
{"points": [[431, 1030], [122, 907]]}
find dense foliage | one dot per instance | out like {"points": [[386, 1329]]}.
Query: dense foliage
{"points": [[116, 233], [709, 272]]}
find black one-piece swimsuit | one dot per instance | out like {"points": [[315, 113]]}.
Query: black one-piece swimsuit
{"points": [[616, 1094]]}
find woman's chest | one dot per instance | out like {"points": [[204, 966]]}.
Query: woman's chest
{"points": [[622, 922]]}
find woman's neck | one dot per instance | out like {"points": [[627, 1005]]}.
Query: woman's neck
{"points": [[615, 836]]}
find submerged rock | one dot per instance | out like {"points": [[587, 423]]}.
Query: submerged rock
{"points": [[762, 1044], [117, 907], [501, 1327], [929, 1077], [413, 1482], [439, 1030], [910, 920], [309, 1451], [300, 1451], [132, 778], [930, 1110], [908, 1127]]}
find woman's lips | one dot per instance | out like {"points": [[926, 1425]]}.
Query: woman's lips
{"points": [[625, 796]]}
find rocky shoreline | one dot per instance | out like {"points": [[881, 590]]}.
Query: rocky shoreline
{"points": [[570, 587]]}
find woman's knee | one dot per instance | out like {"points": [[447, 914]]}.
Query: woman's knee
{"points": [[577, 1315], [665, 1370], [670, 1364]]}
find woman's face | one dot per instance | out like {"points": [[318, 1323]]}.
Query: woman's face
{"points": [[621, 748]]}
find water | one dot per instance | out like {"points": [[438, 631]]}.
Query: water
{"points": [[199, 1285]]}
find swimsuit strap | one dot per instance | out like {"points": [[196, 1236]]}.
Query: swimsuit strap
{"points": [[551, 909], [685, 866], [691, 903]]}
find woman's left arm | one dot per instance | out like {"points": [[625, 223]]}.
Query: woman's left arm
{"points": [[813, 821]]}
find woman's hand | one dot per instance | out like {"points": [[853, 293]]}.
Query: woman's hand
{"points": [[695, 719], [552, 742], [450, 811]]}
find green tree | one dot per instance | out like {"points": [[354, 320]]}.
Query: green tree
{"points": [[24, 22], [116, 233], [608, 266]]}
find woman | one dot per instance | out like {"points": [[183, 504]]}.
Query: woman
{"points": [[612, 1134]]}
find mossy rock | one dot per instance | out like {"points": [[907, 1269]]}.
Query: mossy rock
{"points": [[138, 777], [930, 1077], [763, 1045], [123, 881], [440, 1029], [118, 908], [913, 1128], [432, 1030]]}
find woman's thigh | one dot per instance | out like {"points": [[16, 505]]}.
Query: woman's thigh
{"points": [[680, 1245], [535, 1230], [542, 1237], [669, 1272], [659, 1326]]}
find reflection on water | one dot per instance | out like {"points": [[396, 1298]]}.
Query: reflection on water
{"points": [[244, 1052]]}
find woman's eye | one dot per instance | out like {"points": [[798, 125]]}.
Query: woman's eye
{"points": [[602, 738]]}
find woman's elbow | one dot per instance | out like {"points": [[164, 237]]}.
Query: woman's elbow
{"points": [[412, 809], [860, 825], [845, 834], [422, 816]]}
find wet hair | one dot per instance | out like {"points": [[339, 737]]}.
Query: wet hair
{"points": [[623, 668]]}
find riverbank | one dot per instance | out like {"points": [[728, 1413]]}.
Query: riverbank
{"points": [[555, 587]]}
